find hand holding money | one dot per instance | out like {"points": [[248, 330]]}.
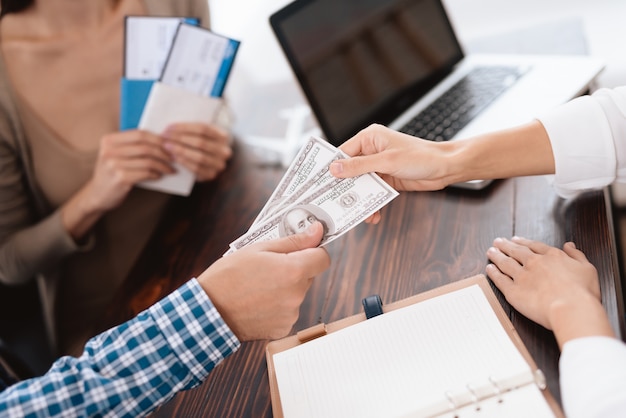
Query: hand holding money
{"points": [[308, 193]]}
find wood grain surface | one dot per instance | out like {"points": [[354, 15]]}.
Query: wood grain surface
{"points": [[424, 240]]}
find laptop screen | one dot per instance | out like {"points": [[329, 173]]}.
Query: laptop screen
{"points": [[365, 61]]}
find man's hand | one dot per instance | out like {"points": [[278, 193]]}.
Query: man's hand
{"points": [[258, 290]]}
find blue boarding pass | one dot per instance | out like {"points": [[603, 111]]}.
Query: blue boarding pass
{"points": [[199, 61]]}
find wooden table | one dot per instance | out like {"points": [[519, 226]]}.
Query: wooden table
{"points": [[424, 240]]}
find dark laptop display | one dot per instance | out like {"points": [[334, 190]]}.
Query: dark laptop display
{"points": [[364, 61]]}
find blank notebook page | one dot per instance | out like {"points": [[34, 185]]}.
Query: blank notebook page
{"points": [[406, 362]]}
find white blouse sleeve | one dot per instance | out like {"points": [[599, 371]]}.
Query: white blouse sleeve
{"points": [[593, 377], [588, 137]]}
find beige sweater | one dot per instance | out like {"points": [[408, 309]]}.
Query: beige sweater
{"points": [[33, 242]]}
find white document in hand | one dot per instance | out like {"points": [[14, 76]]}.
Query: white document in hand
{"points": [[167, 105], [199, 61], [189, 90], [147, 44]]}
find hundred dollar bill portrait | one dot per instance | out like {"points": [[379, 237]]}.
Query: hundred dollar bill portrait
{"points": [[300, 217]]}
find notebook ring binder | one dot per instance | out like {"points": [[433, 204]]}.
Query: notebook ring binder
{"points": [[474, 396], [540, 379], [372, 305], [452, 404], [496, 389]]}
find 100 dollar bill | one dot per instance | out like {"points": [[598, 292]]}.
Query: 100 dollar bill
{"points": [[339, 205], [312, 157]]}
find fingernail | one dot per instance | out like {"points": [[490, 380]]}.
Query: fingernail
{"points": [[516, 238], [336, 168], [498, 239], [168, 146], [492, 250]]}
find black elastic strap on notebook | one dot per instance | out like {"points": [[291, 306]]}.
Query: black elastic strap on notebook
{"points": [[373, 306]]}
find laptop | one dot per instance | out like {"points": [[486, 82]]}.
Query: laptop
{"points": [[399, 63]]}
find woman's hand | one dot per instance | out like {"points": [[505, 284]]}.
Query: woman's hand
{"points": [[556, 288], [124, 159], [203, 149], [405, 162]]}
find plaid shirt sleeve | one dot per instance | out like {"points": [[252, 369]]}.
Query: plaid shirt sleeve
{"points": [[131, 369]]}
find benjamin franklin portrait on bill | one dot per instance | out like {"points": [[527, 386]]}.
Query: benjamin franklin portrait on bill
{"points": [[299, 218]]}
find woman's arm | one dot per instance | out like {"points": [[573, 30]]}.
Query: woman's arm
{"points": [[559, 289], [410, 163], [582, 142]]}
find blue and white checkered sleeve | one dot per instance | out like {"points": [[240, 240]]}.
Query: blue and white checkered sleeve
{"points": [[131, 369]]}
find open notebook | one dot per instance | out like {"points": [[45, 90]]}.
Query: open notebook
{"points": [[450, 352]]}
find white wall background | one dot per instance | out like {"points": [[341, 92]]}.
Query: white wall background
{"points": [[260, 62], [603, 22]]}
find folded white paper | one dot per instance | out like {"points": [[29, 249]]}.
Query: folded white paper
{"points": [[167, 105]]}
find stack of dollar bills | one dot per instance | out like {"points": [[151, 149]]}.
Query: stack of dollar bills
{"points": [[308, 192]]}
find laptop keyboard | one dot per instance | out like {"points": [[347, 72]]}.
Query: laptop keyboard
{"points": [[447, 115]]}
